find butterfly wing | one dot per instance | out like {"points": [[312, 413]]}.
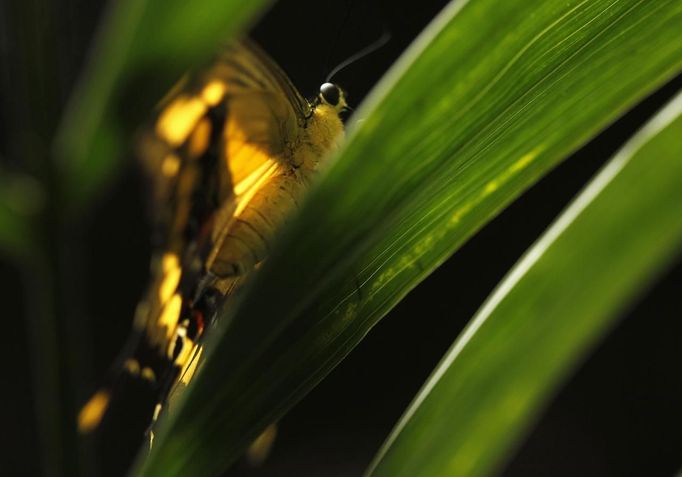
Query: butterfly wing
{"points": [[219, 140], [244, 104]]}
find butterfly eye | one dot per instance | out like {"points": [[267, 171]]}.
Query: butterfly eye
{"points": [[330, 94]]}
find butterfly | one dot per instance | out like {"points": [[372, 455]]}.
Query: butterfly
{"points": [[229, 157]]}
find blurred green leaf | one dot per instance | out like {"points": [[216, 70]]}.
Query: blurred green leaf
{"points": [[21, 200], [487, 100], [613, 240], [141, 49]]}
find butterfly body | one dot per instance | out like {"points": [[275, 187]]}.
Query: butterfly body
{"points": [[246, 241], [230, 156]]}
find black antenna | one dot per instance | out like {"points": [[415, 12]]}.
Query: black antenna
{"points": [[371, 48]]}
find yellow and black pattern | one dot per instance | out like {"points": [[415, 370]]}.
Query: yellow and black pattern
{"points": [[229, 156]]}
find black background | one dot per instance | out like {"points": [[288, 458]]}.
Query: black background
{"points": [[618, 415]]}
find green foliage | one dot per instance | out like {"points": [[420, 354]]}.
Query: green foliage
{"points": [[488, 99], [618, 234], [21, 199]]}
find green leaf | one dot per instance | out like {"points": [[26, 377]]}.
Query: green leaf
{"points": [[487, 100], [142, 48], [610, 243], [21, 199]]}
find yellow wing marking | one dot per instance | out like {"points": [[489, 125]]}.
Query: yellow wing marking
{"points": [[170, 266], [91, 414], [170, 165], [191, 366], [199, 140], [213, 92], [170, 313], [132, 366], [179, 118]]}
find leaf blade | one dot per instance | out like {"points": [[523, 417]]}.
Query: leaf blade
{"points": [[372, 230], [21, 200], [613, 240]]}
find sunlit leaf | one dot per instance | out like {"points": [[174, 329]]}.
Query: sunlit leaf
{"points": [[488, 99], [610, 243]]}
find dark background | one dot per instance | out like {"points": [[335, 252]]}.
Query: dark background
{"points": [[618, 415]]}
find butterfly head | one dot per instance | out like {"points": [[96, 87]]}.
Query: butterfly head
{"points": [[333, 96]]}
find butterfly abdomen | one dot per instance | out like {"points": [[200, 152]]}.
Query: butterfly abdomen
{"points": [[249, 238]]}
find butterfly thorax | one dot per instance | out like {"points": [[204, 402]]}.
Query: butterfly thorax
{"points": [[323, 134]]}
